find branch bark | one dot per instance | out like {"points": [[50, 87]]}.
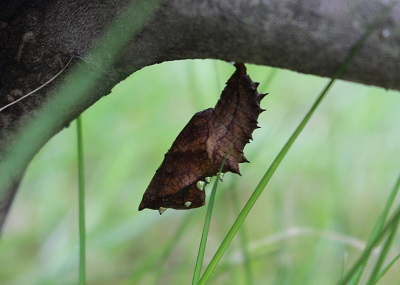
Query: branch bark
{"points": [[38, 37]]}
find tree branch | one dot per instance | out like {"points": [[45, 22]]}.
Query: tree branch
{"points": [[38, 37]]}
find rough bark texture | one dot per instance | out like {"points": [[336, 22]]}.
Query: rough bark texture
{"points": [[38, 37]]}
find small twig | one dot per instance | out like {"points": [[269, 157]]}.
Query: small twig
{"points": [[40, 87]]}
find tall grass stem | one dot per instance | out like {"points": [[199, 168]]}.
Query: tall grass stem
{"points": [[81, 204], [207, 222], [271, 170]]}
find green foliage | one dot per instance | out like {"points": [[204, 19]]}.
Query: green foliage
{"points": [[309, 226], [312, 225]]}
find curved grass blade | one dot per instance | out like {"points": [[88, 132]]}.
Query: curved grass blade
{"points": [[367, 251], [379, 225], [387, 267], [384, 252], [207, 222], [267, 176], [355, 272]]}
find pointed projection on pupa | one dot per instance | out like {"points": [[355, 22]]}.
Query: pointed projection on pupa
{"points": [[198, 151]]}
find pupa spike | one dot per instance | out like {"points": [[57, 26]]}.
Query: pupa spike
{"points": [[249, 137], [243, 159], [161, 210], [234, 168]]}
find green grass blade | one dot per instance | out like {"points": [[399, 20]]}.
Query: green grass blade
{"points": [[383, 254], [380, 223], [244, 244], [354, 274], [374, 275], [267, 176], [257, 192], [386, 268], [367, 251], [81, 204], [207, 222]]}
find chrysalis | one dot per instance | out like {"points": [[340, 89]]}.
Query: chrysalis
{"points": [[198, 151]]}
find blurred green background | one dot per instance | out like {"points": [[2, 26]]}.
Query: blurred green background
{"points": [[308, 226]]}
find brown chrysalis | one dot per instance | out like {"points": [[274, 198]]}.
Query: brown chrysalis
{"points": [[197, 153]]}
